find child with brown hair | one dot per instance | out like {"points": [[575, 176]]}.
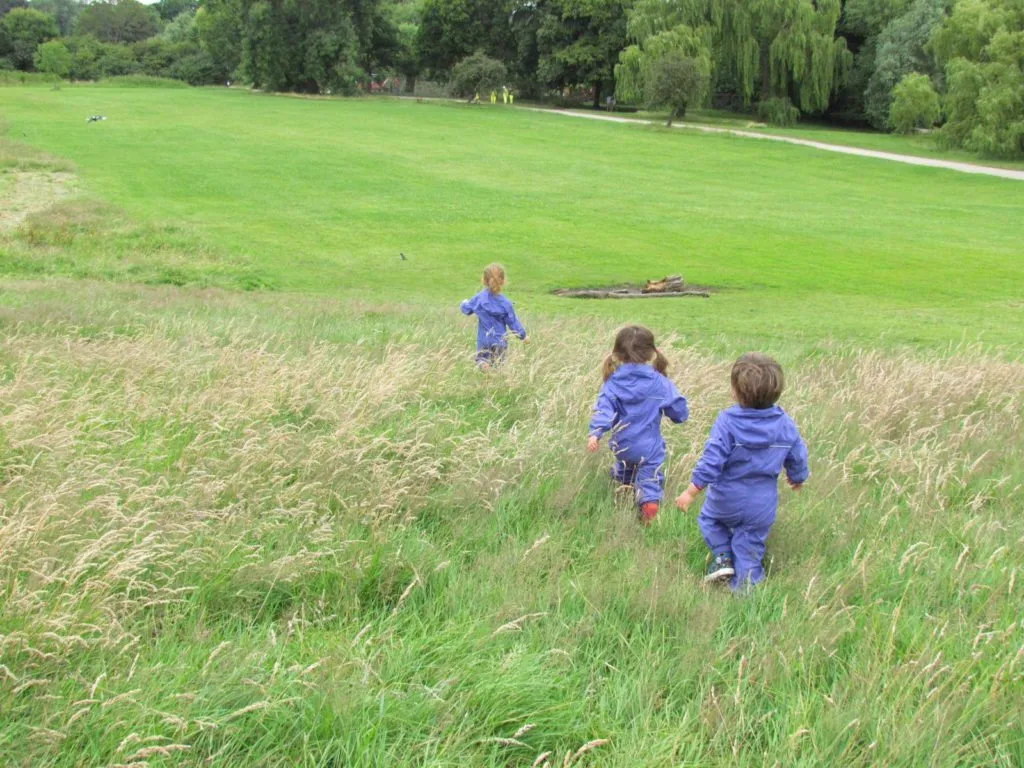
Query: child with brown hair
{"points": [[635, 395], [495, 314], [750, 444]]}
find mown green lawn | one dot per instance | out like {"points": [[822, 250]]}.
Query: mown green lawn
{"points": [[321, 196]]}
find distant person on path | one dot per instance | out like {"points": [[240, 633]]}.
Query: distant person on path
{"points": [[751, 442], [495, 314], [504, 94], [635, 395], [511, 97], [494, 97]]}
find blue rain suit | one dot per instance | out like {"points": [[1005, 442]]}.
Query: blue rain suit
{"points": [[742, 460], [495, 313], [630, 405]]}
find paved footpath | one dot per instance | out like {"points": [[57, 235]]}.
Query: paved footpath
{"points": [[1004, 173]]}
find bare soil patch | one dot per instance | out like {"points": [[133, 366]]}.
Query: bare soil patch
{"points": [[672, 286]]}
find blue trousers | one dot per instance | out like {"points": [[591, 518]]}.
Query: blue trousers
{"points": [[646, 477], [744, 539], [490, 355]]}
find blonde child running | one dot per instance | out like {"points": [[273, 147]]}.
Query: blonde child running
{"points": [[495, 314], [635, 395]]}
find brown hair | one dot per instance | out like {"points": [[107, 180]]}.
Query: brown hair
{"points": [[494, 277], [757, 380], [634, 344]]}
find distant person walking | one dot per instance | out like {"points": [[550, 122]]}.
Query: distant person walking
{"points": [[496, 316], [504, 94], [494, 97]]}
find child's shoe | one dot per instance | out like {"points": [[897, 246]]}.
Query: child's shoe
{"points": [[648, 512], [720, 568]]}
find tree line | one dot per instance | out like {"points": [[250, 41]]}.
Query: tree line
{"points": [[894, 64]]}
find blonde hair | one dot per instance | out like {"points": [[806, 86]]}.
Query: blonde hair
{"points": [[634, 344], [494, 277]]}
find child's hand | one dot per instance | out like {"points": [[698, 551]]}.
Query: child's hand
{"points": [[593, 443], [686, 498], [526, 340], [794, 486]]}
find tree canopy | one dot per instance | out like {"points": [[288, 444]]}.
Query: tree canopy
{"points": [[125, 21], [21, 32]]}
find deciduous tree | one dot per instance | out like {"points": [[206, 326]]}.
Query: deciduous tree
{"points": [[915, 104], [477, 73], [24, 29], [124, 21]]}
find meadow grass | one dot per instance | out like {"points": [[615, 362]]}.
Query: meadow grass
{"points": [[335, 543], [296, 526]]}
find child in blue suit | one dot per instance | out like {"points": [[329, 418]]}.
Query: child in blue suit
{"points": [[635, 395], [495, 314], [750, 444]]}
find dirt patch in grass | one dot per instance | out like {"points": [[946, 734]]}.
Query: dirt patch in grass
{"points": [[629, 291], [29, 192]]}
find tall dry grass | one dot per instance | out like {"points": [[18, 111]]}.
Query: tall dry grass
{"points": [[228, 538]]}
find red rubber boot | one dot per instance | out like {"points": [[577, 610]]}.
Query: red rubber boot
{"points": [[648, 512]]}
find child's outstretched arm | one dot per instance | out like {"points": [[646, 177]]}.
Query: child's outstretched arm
{"points": [[513, 323], [602, 420], [711, 464], [797, 470], [675, 407]]}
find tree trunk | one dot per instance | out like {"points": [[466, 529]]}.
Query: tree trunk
{"points": [[766, 72], [597, 95], [668, 123]]}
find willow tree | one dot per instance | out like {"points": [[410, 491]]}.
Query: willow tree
{"points": [[767, 48], [635, 72]]}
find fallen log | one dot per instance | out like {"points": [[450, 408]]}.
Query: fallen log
{"points": [[670, 284], [626, 294]]}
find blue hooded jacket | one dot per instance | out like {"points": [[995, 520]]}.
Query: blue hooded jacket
{"points": [[743, 458], [631, 404], [495, 313]]}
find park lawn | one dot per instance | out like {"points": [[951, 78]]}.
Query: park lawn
{"points": [[314, 195]]}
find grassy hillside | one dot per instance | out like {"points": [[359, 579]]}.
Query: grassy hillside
{"points": [[257, 507]]}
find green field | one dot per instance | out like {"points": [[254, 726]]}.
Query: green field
{"points": [[257, 507], [316, 195]]}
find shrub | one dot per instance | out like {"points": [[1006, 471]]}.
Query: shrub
{"points": [[141, 81], [53, 58], [915, 104], [778, 111], [195, 69], [477, 73], [675, 82]]}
